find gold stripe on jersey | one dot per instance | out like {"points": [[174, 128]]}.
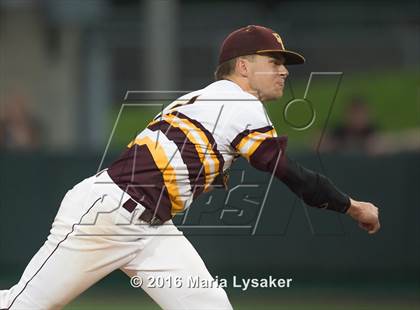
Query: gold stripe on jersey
{"points": [[251, 142], [168, 172], [153, 122], [203, 147]]}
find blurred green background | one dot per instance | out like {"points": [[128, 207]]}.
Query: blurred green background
{"points": [[79, 79]]}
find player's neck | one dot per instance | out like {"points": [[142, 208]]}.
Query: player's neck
{"points": [[243, 84]]}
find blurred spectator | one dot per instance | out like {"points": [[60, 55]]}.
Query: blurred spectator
{"points": [[18, 128], [356, 134]]}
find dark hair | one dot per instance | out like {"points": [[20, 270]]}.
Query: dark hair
{"points": [[228, 67]]}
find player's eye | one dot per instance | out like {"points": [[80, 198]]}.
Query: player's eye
{"points": [[275, 62]]}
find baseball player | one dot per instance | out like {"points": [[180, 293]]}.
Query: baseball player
{"points": [[121, 217]]}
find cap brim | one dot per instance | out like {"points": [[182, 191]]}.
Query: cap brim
{"points": [[290, 58]]}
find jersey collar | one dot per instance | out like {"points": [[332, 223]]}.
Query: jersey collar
{"points": [[227, 86]]}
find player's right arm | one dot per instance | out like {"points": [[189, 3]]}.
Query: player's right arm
{"points": [[267, 152]]}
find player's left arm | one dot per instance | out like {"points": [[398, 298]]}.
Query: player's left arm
{"points": [[315, 189], [264, 150]]}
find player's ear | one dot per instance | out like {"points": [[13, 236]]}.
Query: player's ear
{"points": [[242, 67]]}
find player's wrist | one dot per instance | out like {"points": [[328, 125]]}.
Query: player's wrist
{"points": [[354, 209]]}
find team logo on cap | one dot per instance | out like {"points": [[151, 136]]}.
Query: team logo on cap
{"points": [[278, 38]]}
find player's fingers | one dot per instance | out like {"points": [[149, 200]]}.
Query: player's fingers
{"points": [[365, 226], [370, 228], [375, 228]]}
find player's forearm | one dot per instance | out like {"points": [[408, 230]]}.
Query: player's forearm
{"points": [[315, 189]]}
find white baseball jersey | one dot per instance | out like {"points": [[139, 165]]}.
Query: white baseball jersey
{"points": [[187, 148]]}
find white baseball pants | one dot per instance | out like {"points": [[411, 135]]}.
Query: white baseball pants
{"points": [[92, 236]]}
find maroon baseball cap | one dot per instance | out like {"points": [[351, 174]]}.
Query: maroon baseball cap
{"points": [[254, 39]]}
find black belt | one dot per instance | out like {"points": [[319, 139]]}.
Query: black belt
{"points": [[147, 215]]}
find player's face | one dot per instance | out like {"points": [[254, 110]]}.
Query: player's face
{"points": [[267, 76]]}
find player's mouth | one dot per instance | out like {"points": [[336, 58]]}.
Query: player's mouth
{"points": [[279, 84]]}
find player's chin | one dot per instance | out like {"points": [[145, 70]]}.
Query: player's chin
{"points": [[277, 93], [273, 94], [272, 97]]}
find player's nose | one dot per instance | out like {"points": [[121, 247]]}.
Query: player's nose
{"points": [[283, 72]]}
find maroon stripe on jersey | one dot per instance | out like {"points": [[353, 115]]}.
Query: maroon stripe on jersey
{"points": [[136, 173], [246, 132], [267, 155], [192, 100], [209, 137], [188, 152]]}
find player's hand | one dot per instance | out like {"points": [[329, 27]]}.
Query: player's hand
{"points": [[366, 214]]}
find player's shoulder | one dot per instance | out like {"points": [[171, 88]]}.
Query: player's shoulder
{"points": [[223, 95], [231, 95]]}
